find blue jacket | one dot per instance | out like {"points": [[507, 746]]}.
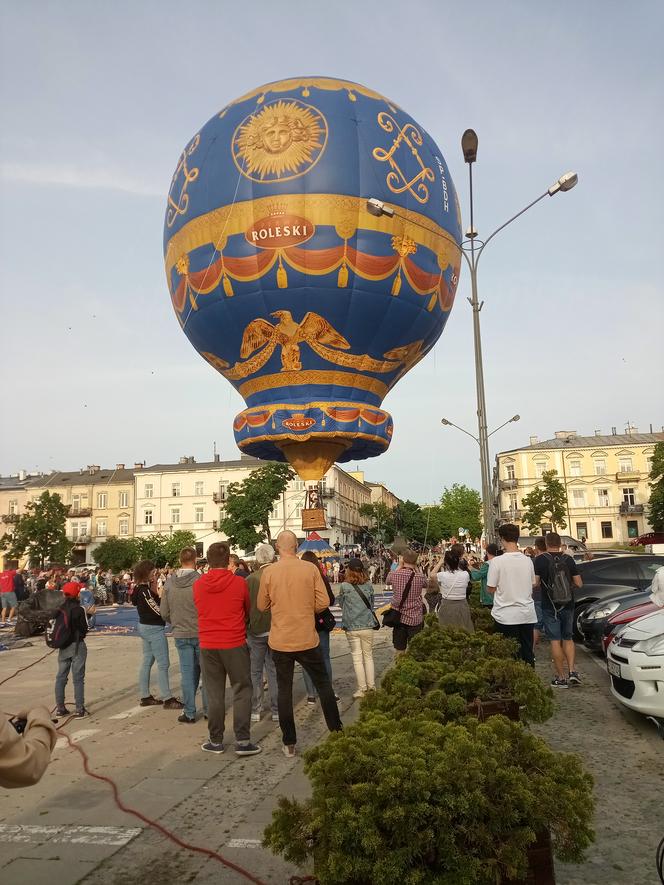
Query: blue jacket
{"points": [[354, 613]]}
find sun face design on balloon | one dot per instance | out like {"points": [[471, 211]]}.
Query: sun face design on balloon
{"points": [[284, 140]]}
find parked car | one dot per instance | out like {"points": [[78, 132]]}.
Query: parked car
{"points": [[635, 662], [594, 620], [626, 616], [648, 538], [580, 555], [607, 578], [572, 543]]}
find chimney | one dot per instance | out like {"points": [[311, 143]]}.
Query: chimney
{"points": [[534, 440], [217, 457], [564, 434], [183, 459], [614, 432], [138, 465], [119, 467], [22, 475], [93, 468]]}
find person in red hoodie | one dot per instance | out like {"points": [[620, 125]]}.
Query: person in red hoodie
{"points": [[222, 602]]}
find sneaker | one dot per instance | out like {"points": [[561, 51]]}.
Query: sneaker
{"points": [[188, 719], [247, 749], [337, 698], [558, 682], [359, 693], [149, 701], [3, 624], [62, 711], [255, 717], [209, 747], [311, 701], [288, 750], [275, 717], [574, 678], [173, 704], [82, 713]]}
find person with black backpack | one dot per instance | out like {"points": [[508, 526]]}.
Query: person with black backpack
{"points": [[557, 575], [67, 632]]}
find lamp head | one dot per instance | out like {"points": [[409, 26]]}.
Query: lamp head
{"points": [[445, 421], [565, 183], [378, 208], [469, 143], [515, 418]]}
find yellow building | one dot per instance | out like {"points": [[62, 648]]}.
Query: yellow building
{"points": [[13, 498], [100, 501], [605, 478]]}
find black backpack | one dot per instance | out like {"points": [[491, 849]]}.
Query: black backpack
{"points": [[559, 584], [59, 632]]}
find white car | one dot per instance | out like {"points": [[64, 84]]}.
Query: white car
{"points": [[635, 661]]}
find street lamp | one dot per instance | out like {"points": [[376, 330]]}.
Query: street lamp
{"points": [[471, 249]]}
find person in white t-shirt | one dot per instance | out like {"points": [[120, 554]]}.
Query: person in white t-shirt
{"points": [[657, 588], [511, 579]]}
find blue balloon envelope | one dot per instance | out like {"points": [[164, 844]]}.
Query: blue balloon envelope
{"points": [[311, 306]]}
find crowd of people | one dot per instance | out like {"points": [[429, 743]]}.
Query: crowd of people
{"points": [[250, 623]]}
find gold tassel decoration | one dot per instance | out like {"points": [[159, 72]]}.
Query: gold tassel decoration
{"points": [[342, 279], [282, 279], [396, 285], [228, 288]]}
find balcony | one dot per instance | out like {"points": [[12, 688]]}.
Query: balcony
{"points": [[515, 513], [509, 483], [76, 513], [81, 540], [328, 493], [628, 476], [631, 509], [218, 497], [10, 518]]}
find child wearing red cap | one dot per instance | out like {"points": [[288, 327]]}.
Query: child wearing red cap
{"points": [[74, 655]]}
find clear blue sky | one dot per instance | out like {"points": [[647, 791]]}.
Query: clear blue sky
{"points": [[97, 100]]}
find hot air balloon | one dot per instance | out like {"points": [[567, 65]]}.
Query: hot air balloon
{"points": [[312, 307]]}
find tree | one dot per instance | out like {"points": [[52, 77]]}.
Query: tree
{"points": [[175, 543], [40, 531], [152, 547], [382, 518], [546, 502], [460, 507], [656, 502], [248, 504], [434, 528], [117, 554]]}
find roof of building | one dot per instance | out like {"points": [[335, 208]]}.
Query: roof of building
{"points": [[592, 442], [244, 461], [103, 476], [9, 483]]}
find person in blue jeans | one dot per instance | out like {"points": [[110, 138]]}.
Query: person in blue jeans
{"points": [[178, 609], [152, 630], [323, 635]]}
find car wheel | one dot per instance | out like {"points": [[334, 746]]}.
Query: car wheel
{"points": [[578, 613]]}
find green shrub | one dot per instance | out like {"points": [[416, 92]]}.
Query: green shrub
{"points": [[415, 801]]}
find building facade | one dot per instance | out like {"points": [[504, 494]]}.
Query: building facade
{"points": [[100, 501], [190, 496], [605, 480], [13, 498]]}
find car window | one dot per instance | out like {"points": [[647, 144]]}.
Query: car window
{"points": [[613, 570], [648, 568]]}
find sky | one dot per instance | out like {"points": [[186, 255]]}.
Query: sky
{"points": [[97, 100]]}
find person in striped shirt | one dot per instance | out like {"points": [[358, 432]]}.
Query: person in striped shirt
{"points": [[411, 611]]}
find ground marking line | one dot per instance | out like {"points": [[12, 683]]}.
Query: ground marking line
{"points": [[126, 714], [76, 737], [244, 843], [115, 836]]}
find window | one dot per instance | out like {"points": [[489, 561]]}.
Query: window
{"points": [[540, 467], [513, 504], [579, 497], [582, 531], [101, 528], [102, 500], [298, 511], [175, 489], [607, 529], [74, 530], [198, 514], [198, 488], [600, 466], [628, 496], [123, 527], [148, 517], [75, 502], [649, 464], [275, 512], [199, 549], [632, 528], [222, 491], [510, 471], [13, 508], [299, 485], [82, 529], [625, 465], [603, 498], [123, 499], [175, 515], [149, 490], [575, 468]]}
